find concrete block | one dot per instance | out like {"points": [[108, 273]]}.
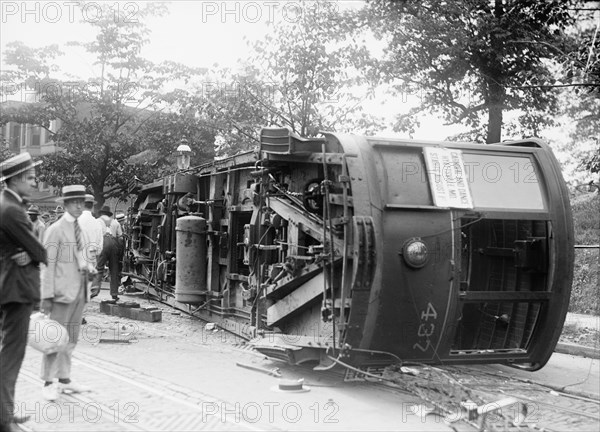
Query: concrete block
{"points": [[131, 310]]}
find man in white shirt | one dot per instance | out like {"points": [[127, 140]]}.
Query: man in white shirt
{"points": [[95, 230]]}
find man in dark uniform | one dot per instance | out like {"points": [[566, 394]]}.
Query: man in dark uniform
{"points": [[110, 252], [20, 256], [38, 226]]}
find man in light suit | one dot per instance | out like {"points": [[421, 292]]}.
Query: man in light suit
{"points": [[65, 287], [20, 256]]}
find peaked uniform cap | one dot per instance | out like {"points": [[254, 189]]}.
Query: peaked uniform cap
{"points": [[16, 165], [72, 192], [35, 210], [106, 211]]}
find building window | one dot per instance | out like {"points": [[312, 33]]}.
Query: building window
{"points": [[14, 139], [35, 136]]}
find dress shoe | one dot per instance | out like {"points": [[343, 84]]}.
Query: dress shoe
{"points": [[73, 387], [21, 418]]}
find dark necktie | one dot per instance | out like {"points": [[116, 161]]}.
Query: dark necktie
{"points": [[83, 279], [78, 235]]}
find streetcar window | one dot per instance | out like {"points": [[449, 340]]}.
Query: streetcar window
{"points": [[504, 182]]}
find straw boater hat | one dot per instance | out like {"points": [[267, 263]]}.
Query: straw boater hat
{"points": [[16, 165], [89, 198], [71, 192], [33, 210], [120, 217]]}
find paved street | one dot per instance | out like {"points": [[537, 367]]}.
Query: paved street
{"points": [[175, 375]]}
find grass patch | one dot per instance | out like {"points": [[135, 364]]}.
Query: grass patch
{"points": [[585, 292]]}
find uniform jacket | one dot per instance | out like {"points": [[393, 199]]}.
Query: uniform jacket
{"points": [[19, 284], [61, 278], [39, 228]]}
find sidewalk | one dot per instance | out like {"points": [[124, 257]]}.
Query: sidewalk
{"points": [[581, 320]]}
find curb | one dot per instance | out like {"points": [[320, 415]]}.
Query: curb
{"points": [[577, 350]]}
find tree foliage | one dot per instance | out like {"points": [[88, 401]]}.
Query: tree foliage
{"points": [[106, 120], [471, 61], [306, 62], [5, 153], [583, 70]]}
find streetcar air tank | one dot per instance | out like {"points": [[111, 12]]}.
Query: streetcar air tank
{"points": [[190, 268]]}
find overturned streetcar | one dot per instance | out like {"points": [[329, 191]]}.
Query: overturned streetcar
{"points": [[366, 250]]}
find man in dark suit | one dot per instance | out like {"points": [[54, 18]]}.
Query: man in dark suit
{"points": [[20, 256]]}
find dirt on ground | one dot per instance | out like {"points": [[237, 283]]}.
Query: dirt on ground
{"points": [[580, 335], [183, 325]]}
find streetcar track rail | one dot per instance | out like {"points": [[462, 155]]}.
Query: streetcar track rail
{"points": [[453, 370], [541, 406], [125, 422], [163, 389], [555, 415], [446, 398], [133, 392]]}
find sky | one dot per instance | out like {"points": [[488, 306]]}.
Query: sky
{"points": [[195, 33]]}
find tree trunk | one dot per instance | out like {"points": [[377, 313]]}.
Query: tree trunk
{"points": [[99, 197], [496, 92], [494, 130]]}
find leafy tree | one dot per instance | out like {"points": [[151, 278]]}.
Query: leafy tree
{"points": [[306, 60], [471, 61], [109, 118], [583, 71], [5, 153], [35, 66]]}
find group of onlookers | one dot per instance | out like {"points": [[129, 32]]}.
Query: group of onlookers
{"points": [[57, 267]]}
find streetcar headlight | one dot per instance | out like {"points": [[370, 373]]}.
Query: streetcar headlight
{"points": [[415, 253]]}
